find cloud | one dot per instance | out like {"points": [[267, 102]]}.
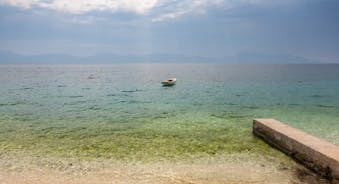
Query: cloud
{"points": [[19, 3], [171, 10], [157, 10], [83, 6]]}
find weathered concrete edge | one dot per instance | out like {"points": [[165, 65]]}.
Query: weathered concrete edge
{"points": [[292, 142]]}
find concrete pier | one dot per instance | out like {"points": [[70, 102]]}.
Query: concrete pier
{"points": [[316, 154]]}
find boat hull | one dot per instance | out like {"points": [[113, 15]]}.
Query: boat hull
{"points": [[169, 82]]}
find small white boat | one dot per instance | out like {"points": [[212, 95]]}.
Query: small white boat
{"points": [[169, 82]]}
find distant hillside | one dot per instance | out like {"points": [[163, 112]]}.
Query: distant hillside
{"points": [[269, 58], [246, 58]]}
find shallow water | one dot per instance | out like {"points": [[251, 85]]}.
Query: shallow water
{"points": [[123, 112]]}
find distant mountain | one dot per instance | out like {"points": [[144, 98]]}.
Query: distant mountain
{"points": [[12, 58], [151, 58], [270, 58], [246, 58]]}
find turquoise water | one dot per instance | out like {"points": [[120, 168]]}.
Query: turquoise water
{"points": [[123, 112]]}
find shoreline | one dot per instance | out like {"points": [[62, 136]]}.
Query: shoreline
{"points": [[233, 168]]}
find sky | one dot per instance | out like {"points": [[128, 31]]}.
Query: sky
{"points": [[208, 28]]}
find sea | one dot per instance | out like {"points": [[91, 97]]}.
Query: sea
{"points": [[123, 112]]}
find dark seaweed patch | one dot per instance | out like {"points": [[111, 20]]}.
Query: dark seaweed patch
{"points": [[317, 96], [111, 95], [251, 107], [95, 108], [131, 91], [76, 102], [137, 102], [325, 106], [26, 88], [76, 96], [228, 115], [11, 104], [293, 104]]}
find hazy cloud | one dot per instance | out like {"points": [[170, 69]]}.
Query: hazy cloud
{"points": [[158, 10]]}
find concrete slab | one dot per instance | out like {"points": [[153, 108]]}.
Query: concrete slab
{"points": [[314, 153]]}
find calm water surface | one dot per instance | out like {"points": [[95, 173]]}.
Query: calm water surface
{"points": [[123, 112]]}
